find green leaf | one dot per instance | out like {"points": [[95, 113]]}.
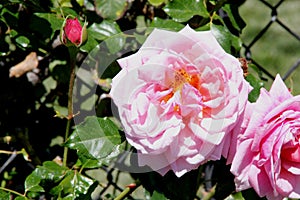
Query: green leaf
{"points": [[236, 43], [49, 171], [183, 10], [53, 19], [166, 24], [88, 162], [104, 30], [32, 183], [205, 27], [21, 198], [96, 138], [156, 2], [67, 10], [23, 41], [237, 196], [140, 38], [41, 26], [82, 184], [91, 189], [157, 196], [234, 16], [110, 32], [223, 36], [226, 39], [256, 84], [10, 18], [4, 195], [115, 43], [13, 33], [73, 185], [89, 45], [109, 9]]}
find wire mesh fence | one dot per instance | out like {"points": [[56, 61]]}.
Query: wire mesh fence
{"points": [[273, 19]]}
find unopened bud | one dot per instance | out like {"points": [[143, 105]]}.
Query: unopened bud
{"points": [[72, 32]]}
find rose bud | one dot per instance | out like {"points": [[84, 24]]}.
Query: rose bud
{"points": [[72, 33]]}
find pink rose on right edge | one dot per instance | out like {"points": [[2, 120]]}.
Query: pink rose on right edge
{"points": [[268, 148]]}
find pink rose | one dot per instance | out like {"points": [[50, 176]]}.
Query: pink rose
{"points": [[178, 98], [268, 156], [73, 33]]}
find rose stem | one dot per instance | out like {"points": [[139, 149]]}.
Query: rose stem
{"points": [[72, 52]]}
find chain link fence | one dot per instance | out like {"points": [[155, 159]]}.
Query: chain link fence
{"points": [[276, 17]]}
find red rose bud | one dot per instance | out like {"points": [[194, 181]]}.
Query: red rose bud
{"points": [[72, 33]]}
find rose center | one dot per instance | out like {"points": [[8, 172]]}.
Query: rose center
{"points": [[180, 78]]}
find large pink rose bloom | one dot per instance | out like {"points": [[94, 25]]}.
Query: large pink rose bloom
{"points": [[268, 149], [178, 98]]}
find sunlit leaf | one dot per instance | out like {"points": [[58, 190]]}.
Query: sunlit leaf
{"points": [[166, 24], [183, 10], [23, 41], [156, 2], [104, 30], [88, 162], [97, 138], [73, 185], [32, 183], [48, 171], [109, 9], [140, 37], [110, 33], [237, 196]]}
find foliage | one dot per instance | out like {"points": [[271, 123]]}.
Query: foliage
{"points": [[34, 105]]}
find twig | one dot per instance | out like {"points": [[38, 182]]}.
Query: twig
{"points": [[9, 160], [11, 191]]}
